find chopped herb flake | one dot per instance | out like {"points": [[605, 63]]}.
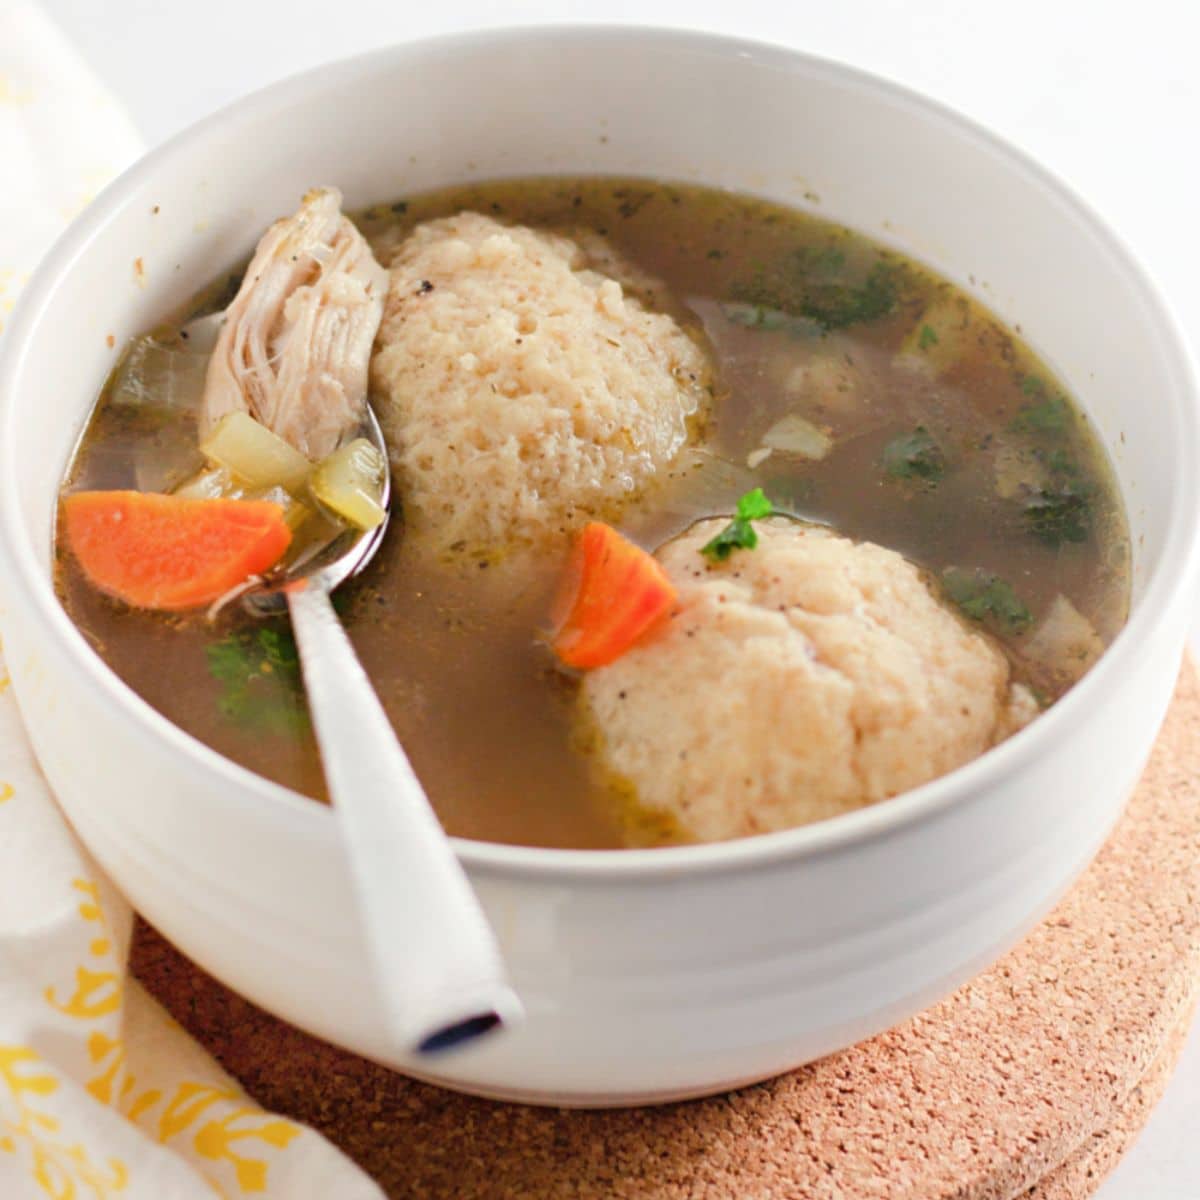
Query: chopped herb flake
{"points": [[821, 260], [837, 305], [813, 292], [914, 455], [1047, 416], [986, 598], [1060, 515], [927, 337], [739, 534], [1061, 463], [259, 673], [754, 506]]}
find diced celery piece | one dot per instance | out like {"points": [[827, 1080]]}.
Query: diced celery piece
{"points": [[255, 455], [349, 484]]}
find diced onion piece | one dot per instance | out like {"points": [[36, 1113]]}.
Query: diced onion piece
{"points": [[1017, 469], [156, 375], [163, 383], [254, 454], [350, 482], [939, 338], [1064, 641], [794, 434], [756, 458]]}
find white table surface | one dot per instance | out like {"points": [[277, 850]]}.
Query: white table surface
{"points": [[1106, 94]]}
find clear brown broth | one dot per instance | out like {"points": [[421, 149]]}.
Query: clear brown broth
{"points": [[456, 650]]}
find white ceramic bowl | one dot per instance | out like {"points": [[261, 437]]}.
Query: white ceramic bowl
{"points": [[647, 974]]}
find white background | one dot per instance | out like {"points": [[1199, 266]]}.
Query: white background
{"points": [[1106, 94]]}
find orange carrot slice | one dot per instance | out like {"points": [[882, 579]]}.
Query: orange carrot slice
{"points": [[616, 592], [171, 552]]}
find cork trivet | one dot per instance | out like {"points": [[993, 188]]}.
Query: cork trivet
{"points": [[1086, 1168], [1029, 1081]]}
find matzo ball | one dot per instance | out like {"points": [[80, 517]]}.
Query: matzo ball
{"points": [[804, 678], [522, 391]]}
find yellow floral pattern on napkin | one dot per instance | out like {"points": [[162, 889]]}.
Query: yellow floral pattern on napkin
{"points": [[102, 1095], [59, 1168]]}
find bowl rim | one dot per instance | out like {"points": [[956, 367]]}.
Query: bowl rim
{"points": [[1166, 587]]}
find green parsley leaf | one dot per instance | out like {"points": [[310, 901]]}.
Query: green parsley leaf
{"points": [[914, 455], [754, 506], [1061, 515], [837, 305], [261, 686], [1051, 415], [927, 337], [1049, 411], [809, 288], [739, 534], [1061, 463], [820, 260], [986, 598]]}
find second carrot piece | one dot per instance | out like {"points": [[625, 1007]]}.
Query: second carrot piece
{"points": [[616, 593]]}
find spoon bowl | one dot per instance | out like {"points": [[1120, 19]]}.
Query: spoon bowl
{"points": [[338, 558]]}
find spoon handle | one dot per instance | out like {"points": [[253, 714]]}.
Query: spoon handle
{"points": [[436, 957]]}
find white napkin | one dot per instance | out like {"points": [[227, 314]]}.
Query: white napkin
{"points": [[102, 1095]]}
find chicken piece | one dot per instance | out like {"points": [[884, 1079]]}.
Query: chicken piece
{"points": [[296, 342]]}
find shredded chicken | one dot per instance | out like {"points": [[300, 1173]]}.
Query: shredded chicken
{"points": [[296, 342]]}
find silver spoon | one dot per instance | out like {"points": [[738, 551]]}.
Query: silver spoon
{"points": [[436, 957]]}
